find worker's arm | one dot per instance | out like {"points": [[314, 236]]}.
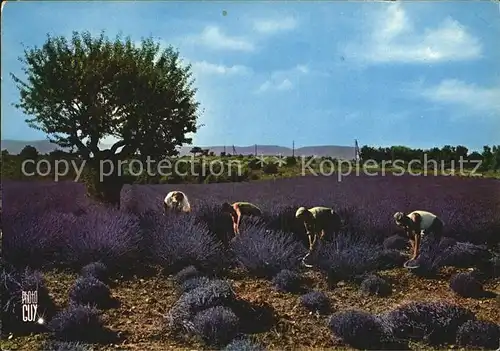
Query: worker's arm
{"points": [[310, 233], [238, 219], [321, 234], [315, 240], [310, 237], [415, 230], [412, 243], [416, 246]]}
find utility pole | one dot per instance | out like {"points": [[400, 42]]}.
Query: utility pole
{"points": [[356, 150], [255, 150], [293, 148]]}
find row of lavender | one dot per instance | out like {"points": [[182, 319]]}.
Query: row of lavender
{"points": [[54, 223], [466, 205]]}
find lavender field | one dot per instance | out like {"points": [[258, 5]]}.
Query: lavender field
{"points": [[138, 279]]}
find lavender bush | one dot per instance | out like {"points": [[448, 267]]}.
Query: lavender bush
{"points": [[466, 285], [360, 329], [217, 326], [243, 344], [77, 323], [465, 255], [97, 270], [388, 259], [214, 293], [375, 285], [193, 283], [396, 242], [287, 281], [108, 236], [64, 346], [479, 334], [35, 239], [347, 257], [218, 224], [263, 253], [316, 301], [179, 242], [186, 273], [432, 322], [91, 291]]}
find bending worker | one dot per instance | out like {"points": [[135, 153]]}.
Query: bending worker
{"points": [[319, 221], [238, 210], [176, 201], [417, 224]]}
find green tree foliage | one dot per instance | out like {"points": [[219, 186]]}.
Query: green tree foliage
{"points": [[461, 152], [495, 162], [81, 90], [487, 157], [196, 150], [59, 155], [445, 154], [29, 153], [270, 168], [290, 161], [254, 164]]}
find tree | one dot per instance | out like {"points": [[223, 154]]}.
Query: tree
{"points": [[475, 156], [196, 150], [447, 153], [487, 157], [205, 152], [367, 153], [29, 153], [58, 154], [88, 88], [5, 152], [434, 154], [461, 152], [495, 163]]}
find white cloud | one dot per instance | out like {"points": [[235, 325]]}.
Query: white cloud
{"points": [[283, 80], [214, 38], [272, 26], [281, 85], [204, 67], [302, 68], [470, 96], [395, 39]]}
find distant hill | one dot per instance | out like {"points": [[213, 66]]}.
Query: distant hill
{"points": [[340, 152]]}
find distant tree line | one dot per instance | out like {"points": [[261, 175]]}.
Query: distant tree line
{"points": [[253, 169], [489, 157]]}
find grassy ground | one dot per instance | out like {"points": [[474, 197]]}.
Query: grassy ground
{"points": [[138, 320]]}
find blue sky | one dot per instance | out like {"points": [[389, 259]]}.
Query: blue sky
{"points": [[409, 73]]}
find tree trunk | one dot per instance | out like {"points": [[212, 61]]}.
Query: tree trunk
{"points": [[103, 181]]}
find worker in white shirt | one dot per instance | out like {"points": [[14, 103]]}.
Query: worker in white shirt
{"points": [[320, 223], [417, 224], [176, 201]]}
